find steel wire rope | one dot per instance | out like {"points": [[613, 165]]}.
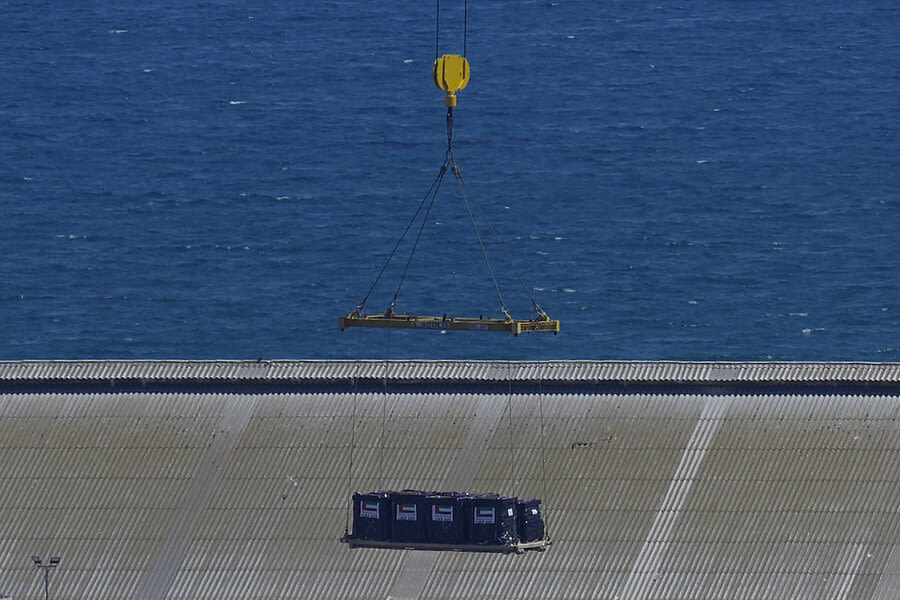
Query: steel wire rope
{"points": [[541, 366], [484, 253], [409, 225], [496, 238], [465, 25], [387, 358], [352, 445], [437, 27], [512, 467], [435, 187]]}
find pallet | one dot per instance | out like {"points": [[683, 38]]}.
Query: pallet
{"points": [[516, 548]]}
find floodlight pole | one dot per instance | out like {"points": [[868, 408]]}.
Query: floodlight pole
{"points": [[54, 562]]}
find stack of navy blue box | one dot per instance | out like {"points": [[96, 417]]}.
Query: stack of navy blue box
{"points": [[450, 518]]}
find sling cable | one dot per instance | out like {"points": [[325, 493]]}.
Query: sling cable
{"points": [[450, 74]]}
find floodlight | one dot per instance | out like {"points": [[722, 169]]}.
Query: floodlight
{"points": [[54, 562]]}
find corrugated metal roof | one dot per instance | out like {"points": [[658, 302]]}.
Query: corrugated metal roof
{"points": [[243, 492], [562, 371]]}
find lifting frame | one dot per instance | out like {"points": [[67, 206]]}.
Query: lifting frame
{"points": [[390, 320]]}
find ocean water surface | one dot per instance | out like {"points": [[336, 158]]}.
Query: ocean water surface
{"points": [[673, 180]]}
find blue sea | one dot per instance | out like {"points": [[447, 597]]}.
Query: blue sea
{"points": [[673, 180]]}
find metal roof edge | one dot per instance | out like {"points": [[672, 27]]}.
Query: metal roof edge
{"points": [[585, 371]]}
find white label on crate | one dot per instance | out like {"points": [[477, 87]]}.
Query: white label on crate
{"points": [[441, 512], [484, 514], [509, 512], [406, 512], [368, 510]]}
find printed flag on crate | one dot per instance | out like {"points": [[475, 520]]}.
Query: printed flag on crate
{"points": [[406, 512], [484, 514], [368, 509], [441, 512]]}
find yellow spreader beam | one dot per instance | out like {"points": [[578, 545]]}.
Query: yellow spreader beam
{"points": [[451, 323]]}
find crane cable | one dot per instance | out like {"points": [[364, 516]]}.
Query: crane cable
{"points": [[543, 454], [496, 238], [512, 467], [352, 446], [437, 27], [384, 397], [435, 187], [484, 253], [467, 194], [437, 180]]}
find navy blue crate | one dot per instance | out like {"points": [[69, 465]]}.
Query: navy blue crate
{"points": [[408, 516], [490, 519], [372, 516], [445, 518], [529, 521]]}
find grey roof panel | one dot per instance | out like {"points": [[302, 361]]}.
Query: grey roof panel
{"points": [[649, 494]]}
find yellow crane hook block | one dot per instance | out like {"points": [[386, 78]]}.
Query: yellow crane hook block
{"points": [[451, 74], [449, 323]]}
